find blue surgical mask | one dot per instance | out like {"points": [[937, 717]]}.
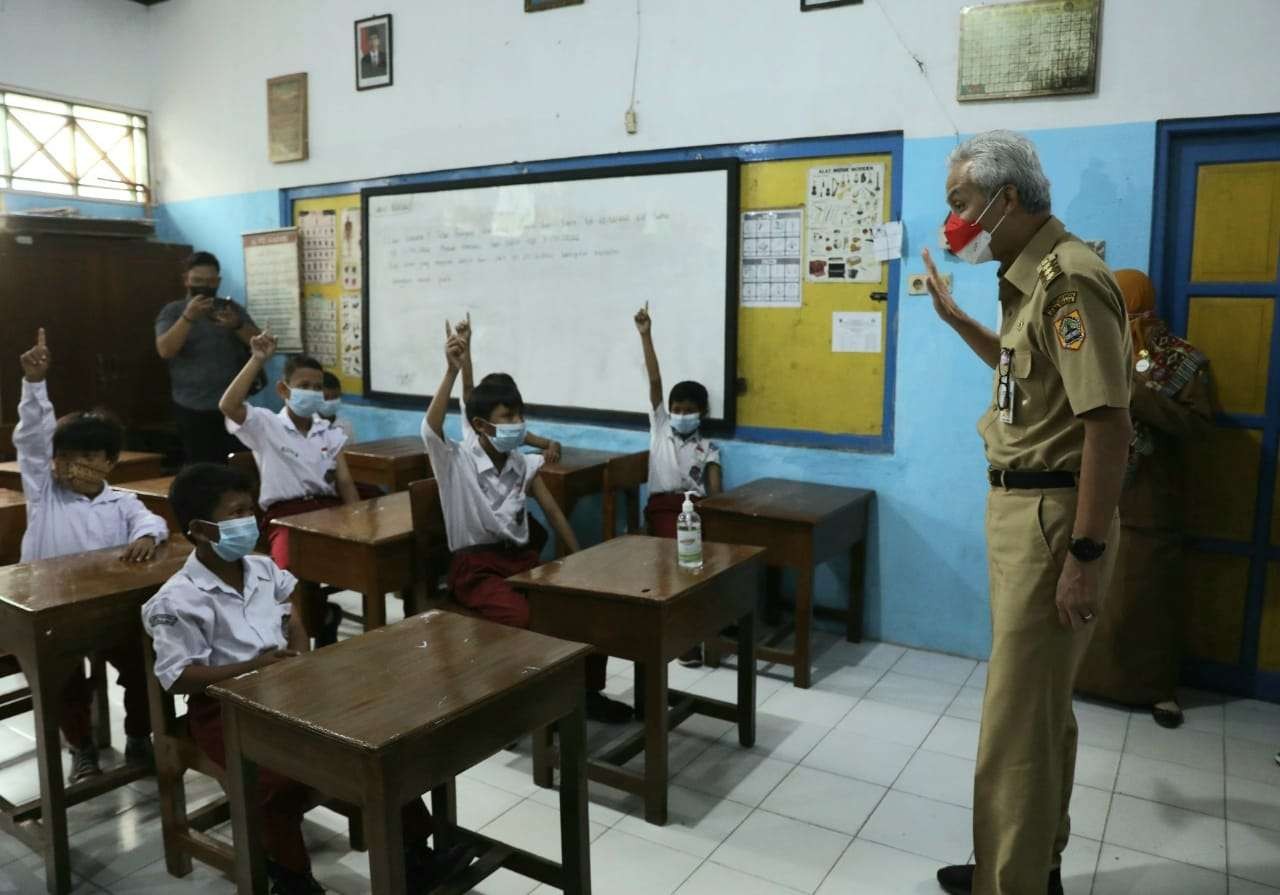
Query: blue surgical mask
{"points": [[236, 538], [329, 407], [305, 401], [685, 423], [507, 436]]}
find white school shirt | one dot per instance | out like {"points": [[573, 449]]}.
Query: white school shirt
{"points": [[61, 521], [291, 465], [481, 505], [677, 463], [196, 618]]}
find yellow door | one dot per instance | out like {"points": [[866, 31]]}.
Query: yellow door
{"points": [[1222, 283]]}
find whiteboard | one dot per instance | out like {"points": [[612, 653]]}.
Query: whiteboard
{"points": [[552, 271]]}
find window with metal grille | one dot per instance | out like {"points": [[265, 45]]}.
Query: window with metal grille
{"points": [[69, 149]]}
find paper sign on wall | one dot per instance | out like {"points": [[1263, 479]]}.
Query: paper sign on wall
{"points": [[352, 335], [856, 332], [771, 258]]}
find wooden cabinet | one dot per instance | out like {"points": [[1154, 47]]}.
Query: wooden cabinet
{"points": [[97, 298]]}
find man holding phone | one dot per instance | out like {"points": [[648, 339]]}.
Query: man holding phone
{"points": [[205, 339]]}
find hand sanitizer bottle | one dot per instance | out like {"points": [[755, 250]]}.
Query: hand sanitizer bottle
{"points": [[689, 535]]}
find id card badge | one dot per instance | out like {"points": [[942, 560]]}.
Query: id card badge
{"points": [[1005, 386]]}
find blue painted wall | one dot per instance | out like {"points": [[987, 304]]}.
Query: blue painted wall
{"points": [[927, 579]]}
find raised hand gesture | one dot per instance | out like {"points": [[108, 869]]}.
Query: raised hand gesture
{"points": [[35, 361], [263, 345], [943, 303], [463, 331], [643, 323], [455, 349]]}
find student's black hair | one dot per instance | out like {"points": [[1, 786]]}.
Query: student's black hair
{"points": [[690, 391], [95, 430], [493, 391], [298, 362], [503, 379], [202, 259], [196, 490], [331, 381]]}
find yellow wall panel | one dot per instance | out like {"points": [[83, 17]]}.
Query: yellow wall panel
{"points": [[1235, 333], [794, 380], [1216, 587], [331, 291], [1222, 483], [1269, 648], [1237, 225]]}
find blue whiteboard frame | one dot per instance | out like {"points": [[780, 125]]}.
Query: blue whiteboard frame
{"points": [[888, 143]]}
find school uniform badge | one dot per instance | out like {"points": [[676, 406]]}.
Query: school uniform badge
{"points": [[1069, 329]]}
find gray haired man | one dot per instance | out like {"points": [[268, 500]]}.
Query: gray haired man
{"points": [[1057, 435]]}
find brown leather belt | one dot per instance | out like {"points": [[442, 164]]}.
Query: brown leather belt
{"points": [[1030, 480]]}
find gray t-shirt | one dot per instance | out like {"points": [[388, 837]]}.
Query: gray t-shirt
{"points": [[210, 358]]}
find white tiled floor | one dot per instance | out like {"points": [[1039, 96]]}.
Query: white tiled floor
{"points": [[862, 784]]}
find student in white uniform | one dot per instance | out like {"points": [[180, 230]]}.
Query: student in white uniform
{"points": [[72, 509], [224, 613], [485, 483], [299, 456], [680, 458]]}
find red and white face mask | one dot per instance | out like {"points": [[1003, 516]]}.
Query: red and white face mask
{"points": [[967, 240]]}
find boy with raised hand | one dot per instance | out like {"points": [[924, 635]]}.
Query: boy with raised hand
{"points": [[485, 483], [71, 509]]}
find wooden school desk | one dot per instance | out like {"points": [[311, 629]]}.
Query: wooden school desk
{"points": [[378, 720], [578, 473], [131, 466], [154, 494], [628, 598], [390, 463], [366, 547], [801, 524], [13, 524], [52, 613]]}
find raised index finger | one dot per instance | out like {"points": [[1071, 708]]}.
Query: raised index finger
{"points": [[40, 337], [448, 329]]}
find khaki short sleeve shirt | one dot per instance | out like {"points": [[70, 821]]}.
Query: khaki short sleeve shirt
{"points": [[1065, 350]]}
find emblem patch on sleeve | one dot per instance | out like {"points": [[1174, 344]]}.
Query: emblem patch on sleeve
{"points": [[1066, 298], [163, 618], [1069, 329]]}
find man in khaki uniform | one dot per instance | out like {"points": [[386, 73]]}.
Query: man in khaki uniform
{"points": [[1057, 435]]}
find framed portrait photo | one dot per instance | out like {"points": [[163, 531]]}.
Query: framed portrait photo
{"points": [[540, 5], [812, 5], [373, 52]]}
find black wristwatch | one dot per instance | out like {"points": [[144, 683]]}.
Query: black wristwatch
{"points": [[1087, 549]]}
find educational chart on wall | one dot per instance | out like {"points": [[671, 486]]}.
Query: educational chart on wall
{"points": [[273, 293], [352, 334], [552, 272], [771, 258], [349, 242], [319, 245], [1035, 48], [320, 330], [844, 204]]}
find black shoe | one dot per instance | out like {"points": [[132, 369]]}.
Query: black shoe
{"points": [[84, 762], [139, 752], [289, 882], [425, 868], [329, 629], [1170, 718], [605, 710], [693, 658], [958, 880]]}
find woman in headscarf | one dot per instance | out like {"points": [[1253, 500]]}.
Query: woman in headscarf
{"points": [[1135, 653]]}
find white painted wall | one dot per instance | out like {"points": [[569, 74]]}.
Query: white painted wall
{"points": [[480, 81], [96, 50]]}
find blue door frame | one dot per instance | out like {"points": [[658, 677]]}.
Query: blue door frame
{"points": [[1181, 148]]}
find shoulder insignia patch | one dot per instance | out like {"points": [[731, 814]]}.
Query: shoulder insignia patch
{"points": [[163, 618], [1066, 298], [1069, 329], [1049, 269]]}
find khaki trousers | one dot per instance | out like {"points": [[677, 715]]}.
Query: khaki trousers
{"points": [[1027, 745]]}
